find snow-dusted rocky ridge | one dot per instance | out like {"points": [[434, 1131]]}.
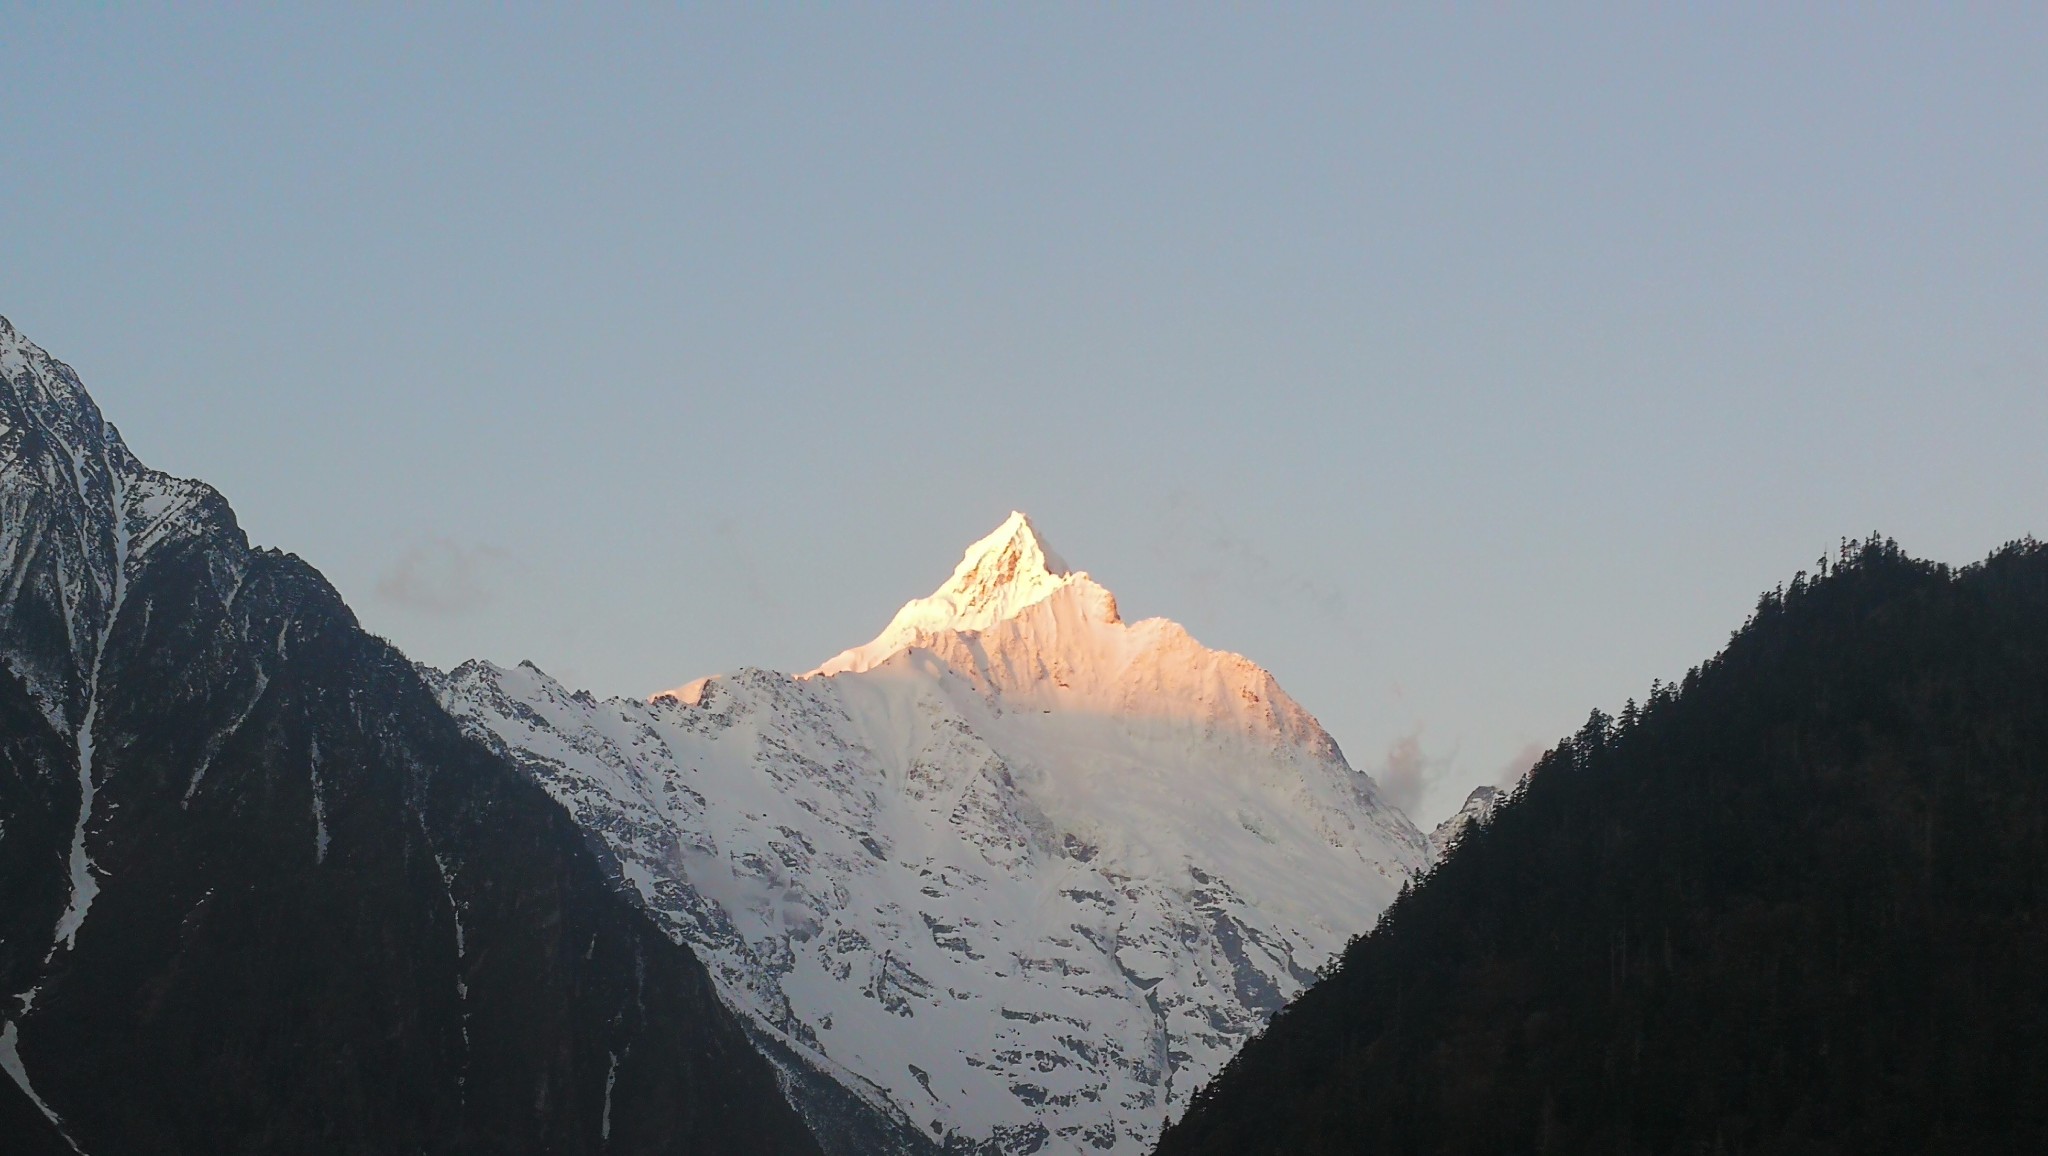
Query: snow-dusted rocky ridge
{"points": [[1019, 874], [258, 893], [1477, 811]]}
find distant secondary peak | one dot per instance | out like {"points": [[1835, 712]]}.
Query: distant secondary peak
{"points": [[1000, 576]]}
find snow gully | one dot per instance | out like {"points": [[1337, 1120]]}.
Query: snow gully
{"points": [[84, 887]]}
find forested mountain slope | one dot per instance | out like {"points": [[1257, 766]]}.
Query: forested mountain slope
{"points": [[257, 891], [1794, 904]]}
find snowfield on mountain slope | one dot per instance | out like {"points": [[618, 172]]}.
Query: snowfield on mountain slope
{"points": [[1024, 881]]}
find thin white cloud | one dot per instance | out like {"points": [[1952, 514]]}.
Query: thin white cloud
{"points": [[1409, 771], [1215, 557], [442, 577], [1511, 772]]}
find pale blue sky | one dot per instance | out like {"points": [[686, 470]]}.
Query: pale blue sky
{"points": [[1467, 368]]}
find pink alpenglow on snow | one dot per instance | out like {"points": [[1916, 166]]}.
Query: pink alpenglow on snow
{"points": [[1014, 865]]}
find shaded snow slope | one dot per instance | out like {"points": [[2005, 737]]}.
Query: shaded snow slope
{"points": [[1018, 873]]}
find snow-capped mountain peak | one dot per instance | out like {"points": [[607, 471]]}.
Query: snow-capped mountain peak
{"points": [[998, 578], [1017, 874], [1021, 627]]}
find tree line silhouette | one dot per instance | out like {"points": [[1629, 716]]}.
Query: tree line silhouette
{"points": [[1790, 904]]}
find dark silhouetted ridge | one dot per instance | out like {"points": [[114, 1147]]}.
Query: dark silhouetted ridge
{"points": [[1791, 905], [259, 894]]}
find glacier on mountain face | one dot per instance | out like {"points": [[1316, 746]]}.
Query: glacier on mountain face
{"points": [[1018, 874]]}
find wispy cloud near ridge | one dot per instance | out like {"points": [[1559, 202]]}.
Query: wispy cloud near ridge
{"points": [[442, 578]]}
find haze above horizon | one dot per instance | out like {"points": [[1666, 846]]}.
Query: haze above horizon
{"points": [[1467, 370]]}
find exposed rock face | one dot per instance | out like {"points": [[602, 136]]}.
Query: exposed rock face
{"points": [[1017, 875], [257, 890]]}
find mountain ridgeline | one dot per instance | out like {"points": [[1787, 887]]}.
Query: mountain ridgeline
{"points": [[1013, 878], [258, 893], [1792, 904]]}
